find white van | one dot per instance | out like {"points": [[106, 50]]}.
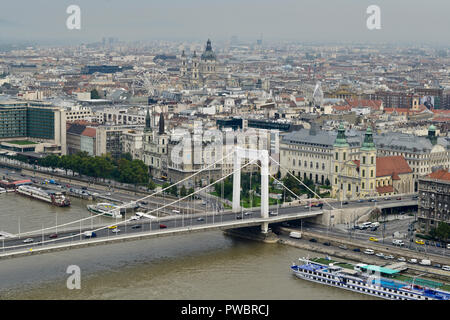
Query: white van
{"points": [[398, 242], [369, 251], [446, 268], [374, 224], [295, 235], [425, 262]]}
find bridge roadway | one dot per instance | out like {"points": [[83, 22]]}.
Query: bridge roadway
{"points": [[146, 228], [177, 224]]}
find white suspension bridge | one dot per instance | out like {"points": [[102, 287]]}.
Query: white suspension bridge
{"points": [[70, 236]]}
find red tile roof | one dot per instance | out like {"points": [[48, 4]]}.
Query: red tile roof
{"points": [[440, 175], [385, 189], [89, 132], [392, 166], [373, 104]]}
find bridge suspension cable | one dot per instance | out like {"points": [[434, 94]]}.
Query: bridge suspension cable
{"points": [[127, 204], [127, 220]]}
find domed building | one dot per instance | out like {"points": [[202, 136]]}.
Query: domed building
{"points": [[201, 70]]}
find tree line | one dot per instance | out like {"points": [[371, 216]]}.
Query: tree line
{"points": [[123, 169]]}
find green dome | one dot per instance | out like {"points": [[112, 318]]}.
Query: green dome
{"points": [[368, 143], [432, 128], [341, 140]]}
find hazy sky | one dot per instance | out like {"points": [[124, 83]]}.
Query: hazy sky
{"points": [[302, 20]]}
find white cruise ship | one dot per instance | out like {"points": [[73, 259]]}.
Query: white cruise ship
{"points": [[358, 281], [56, 198]]}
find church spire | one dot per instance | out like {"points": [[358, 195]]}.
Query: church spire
{"points": [[161, 123], [368, 143], [148, 121]]}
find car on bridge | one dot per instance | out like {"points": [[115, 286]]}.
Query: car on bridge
{"points": [[112, 227], [200, 219], [53, 236], [135, 227], [399, 198], [162, 226], [116, 230], [373, 239], [28, 240], [273, 213]]}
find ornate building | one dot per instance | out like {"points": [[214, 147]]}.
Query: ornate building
{"points": [[201, 70], [155, 143]]}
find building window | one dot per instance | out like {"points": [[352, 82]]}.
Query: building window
{"points": [[363, 160], [371, 173], [337, 155]]}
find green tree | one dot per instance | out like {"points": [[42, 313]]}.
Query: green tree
{"points": [[183, 191], [94, 94]]}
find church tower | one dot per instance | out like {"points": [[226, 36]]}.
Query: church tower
{"points": [[195, 69], [368, 165], [148, 121], [183, 68], [341, 154]]}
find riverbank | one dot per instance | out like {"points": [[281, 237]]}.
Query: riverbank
{"points": [[333, 249]]}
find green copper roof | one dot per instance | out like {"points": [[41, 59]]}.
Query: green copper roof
{"points": [[432, 128], [341, 140], [368, 143]]}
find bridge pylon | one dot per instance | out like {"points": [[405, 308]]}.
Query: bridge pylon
{"points": [[251, 154]]}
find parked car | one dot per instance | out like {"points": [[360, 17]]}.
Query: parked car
{"points": [[399, 198], [390, 257], [357, 250], [401, 259], [437, 265], [413, 261], [373, 239], [312, 240], [327, 244], [343, 246], [421, 242], [379, 255], [369, 251]]}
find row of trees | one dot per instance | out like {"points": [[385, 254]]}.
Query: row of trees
{"points": [[124, 169], [442, 232]]}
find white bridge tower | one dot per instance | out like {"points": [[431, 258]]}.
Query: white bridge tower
{"points": [[252, 154]]}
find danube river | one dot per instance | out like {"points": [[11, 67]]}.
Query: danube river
{"points": [[207, 265]]}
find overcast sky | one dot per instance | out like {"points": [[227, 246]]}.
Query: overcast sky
{"points": [[302, 20]]}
